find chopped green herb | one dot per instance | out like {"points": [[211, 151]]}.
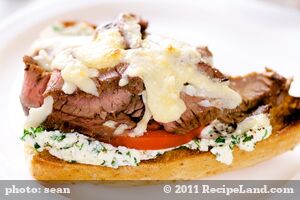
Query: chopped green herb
{"points": [[197, 143], [32, 132], [79, 145], [235, 139], [182, 147], [220, 139], [118, 152], [96, 149], [89, 141], [104, 149], [128, 154], [113, 162], [56, 28], [265, 134], [247, 138], [48, 145], [38, 129], [103, 162], [73, 161], [36, 146], [58, 138], [25, 133], [135, 160], [231, 146], [67, 147]]}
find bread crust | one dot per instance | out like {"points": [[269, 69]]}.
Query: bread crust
{"points": [[174, 165]]}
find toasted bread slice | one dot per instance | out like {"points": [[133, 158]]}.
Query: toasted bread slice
{"points": [[174, 165]]}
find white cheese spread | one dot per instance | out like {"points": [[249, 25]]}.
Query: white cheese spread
{"points": [[248, 132], [217, 138]]}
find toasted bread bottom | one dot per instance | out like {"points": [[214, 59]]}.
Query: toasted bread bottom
{"points": [[174, 165]]}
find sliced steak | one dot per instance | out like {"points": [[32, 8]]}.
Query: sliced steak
{"points": [[34, 85], [256, 90], [92, 127], [87, 113], [205, 52], [205, 66], [194, 116], [212, 72], [109, 80]]}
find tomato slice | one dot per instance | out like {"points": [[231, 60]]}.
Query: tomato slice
{"points": [[154, 140]]}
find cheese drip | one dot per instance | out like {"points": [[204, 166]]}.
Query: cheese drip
{"points": [[38, 115], [141, 126], [75, 74], [165, 66], [78, 65]]}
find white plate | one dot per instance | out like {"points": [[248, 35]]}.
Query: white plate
{"points": [[244, 36]]}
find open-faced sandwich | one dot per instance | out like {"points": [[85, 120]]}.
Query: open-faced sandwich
{"points": [[114, 102]]}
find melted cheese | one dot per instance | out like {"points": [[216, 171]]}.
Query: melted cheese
{"points": [[56, 38], [110, 124], [104, 52], [79, 64], [38, 115], [43, 59], [131, 30], [120, 129], [75, 73], [141, 126], [165, 67], [78, 29], [56, 44]]}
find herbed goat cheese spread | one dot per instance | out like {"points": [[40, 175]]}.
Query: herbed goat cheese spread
{"points": [[218, 138]]}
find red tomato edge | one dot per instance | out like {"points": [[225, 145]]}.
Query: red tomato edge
{"points": [[155, 140]]}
